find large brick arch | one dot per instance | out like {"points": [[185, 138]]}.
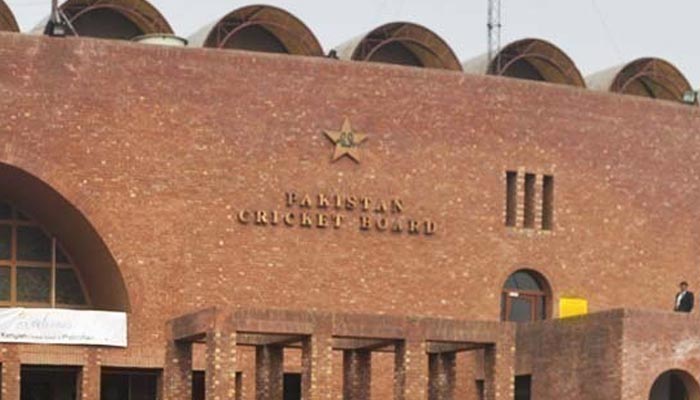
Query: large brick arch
{"points": [[97, 266]]}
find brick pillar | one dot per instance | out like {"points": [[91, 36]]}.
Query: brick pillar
{"points": [[317, 362], [269, 372], [11, 373], [221, 364], [411, 370], [467, 374], [442, 376], [499, 367], [90, 376], [357, 374], [177, 372]]}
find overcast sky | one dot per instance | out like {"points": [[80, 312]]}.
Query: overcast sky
{"points": [[595, 33]]}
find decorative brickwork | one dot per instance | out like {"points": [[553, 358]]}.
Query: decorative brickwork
{"points": [[425, 352]]}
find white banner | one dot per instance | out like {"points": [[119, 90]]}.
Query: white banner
{"points": [[60, 326]]}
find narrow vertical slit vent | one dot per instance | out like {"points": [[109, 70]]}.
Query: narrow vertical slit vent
{"points": [[547, 202], [511, 198]]}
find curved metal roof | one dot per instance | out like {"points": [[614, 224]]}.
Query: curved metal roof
{"points": [[259, 28], [7, 19], [402, 43], [647, 77], [532, 59], [113, 19]]}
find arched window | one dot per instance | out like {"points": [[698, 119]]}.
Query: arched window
{"points": [[525, 297], [34, 269]]}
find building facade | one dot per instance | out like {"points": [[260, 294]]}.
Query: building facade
{"points": [[293, 226]]}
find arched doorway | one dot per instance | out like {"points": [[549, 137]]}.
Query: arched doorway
{"points": [[675, 385], [525, 297]]}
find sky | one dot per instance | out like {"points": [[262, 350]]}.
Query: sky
{"points": [[596, 34]]}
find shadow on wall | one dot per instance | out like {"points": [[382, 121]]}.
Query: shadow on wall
{"points": [[92, 258]]}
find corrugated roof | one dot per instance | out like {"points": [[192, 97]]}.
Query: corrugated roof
{"points": [[533, 59], [647, 77], [7, 19], [401, 43], [259, 28]]}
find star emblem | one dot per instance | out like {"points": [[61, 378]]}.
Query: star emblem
{"points": [[346, 142]]}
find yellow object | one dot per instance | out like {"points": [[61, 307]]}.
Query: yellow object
{"points": [[571, 307]]}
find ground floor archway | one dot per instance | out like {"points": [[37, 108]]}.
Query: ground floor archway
{"points": [[675, 385]]}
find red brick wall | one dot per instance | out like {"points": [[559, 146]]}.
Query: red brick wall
{"points": [[655, 343], [160, 148], [575, 358]]}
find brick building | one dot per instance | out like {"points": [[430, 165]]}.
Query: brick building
{"points": [[277, 224]]}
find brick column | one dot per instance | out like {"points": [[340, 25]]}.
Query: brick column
{"points": [[357, 374], [221, 364], [411, 370], [269, 372], [317, 363], [442, 376], [499, 367], [177, 373], [90, 376], [11, 373], [467, 374]]}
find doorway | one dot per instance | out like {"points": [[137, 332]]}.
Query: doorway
{"points": [[49, 383], [675, 385], [292, 387]]}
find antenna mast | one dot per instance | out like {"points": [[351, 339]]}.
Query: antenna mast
{"points": [[494, 29], [58, 23]]}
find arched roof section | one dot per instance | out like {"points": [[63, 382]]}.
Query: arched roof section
{"points": [[647, 77], [112, 19], [259, 28], [97, 266], [531, 59], [7, 19], [402, 43]]}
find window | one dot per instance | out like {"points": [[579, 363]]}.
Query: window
{"points": [[48, 383], [34, 269], [525, 297], [532, 193], [126, 385]]}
